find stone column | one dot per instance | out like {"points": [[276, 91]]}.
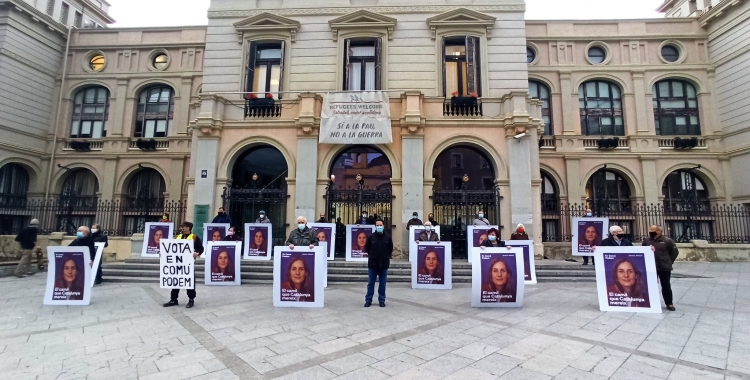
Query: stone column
{"points": [[651, 189], [107, 187], [641, 111], [412, 180], [569, 109], [521, 199], [306, 177], [576, 190]]}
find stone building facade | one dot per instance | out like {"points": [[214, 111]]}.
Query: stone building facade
{"points": [[489, 112]]}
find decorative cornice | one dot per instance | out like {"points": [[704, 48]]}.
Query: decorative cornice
{"points": [[461, 17], [341, 11], [716, 11], [36, 15], [265, 22], [363, 19]]}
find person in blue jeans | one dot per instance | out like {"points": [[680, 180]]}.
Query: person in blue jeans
{"points": [[379, 248]]}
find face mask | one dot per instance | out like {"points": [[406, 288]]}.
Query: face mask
{"points": [[481, 216], [79, 235], [379, 229], [652, 235], [230, 233], [520, 230], [491, 237], [428, 228], [588, 214], [164, 218], [221, 212], [262, 216], [414, 217], [364, 215], [94, 230], [301, 226]]}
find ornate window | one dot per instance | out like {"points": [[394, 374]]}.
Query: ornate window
{"points": [[146, 190], [14, 184], [676, 108], [461, 69], [682, 188], [265, 68], [363, 64], [597, 54], [600, 104], [155, 112], [539, 90], [90, 113], [79, 198], [607, 191]]}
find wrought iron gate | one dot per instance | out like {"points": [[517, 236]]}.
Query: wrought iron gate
{"points": [[348, 206], [456, 209], [245, 204]]}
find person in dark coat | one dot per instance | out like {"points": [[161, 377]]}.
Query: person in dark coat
{"points": [[186, 229], [222, 217], [431, 218], [615, 239], [415, 221], [84, 239], [665, 254], [302, 235], [99, 237], [493, 240], [428, 234], [27, 239], [520, 233], [322, 218], [379, 248]]}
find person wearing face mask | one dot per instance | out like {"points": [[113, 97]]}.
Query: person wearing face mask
{"points": [[364, 220], [186, 229], [302, 235], [84, 239], [615, 239], [428, 234], [379, 248], [99, 237], [222, 217], [232, 235], [665, 253], [373, 217], [164, 218], [480, 220], [493, 240], [262, 218], [431, 218], [520, 233], [414, 220]]}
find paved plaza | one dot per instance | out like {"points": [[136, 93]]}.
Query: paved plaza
{"points": [[236, 333]]}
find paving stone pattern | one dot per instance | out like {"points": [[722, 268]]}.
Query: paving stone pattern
{"points": [[236, 333]]}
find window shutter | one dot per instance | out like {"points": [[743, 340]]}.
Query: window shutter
{"points": [[251, 55], [281, 64], [347, 42], [378, 63], [472, 63], [444, 78]]}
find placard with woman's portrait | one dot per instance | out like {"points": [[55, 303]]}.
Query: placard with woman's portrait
{"points": [[529, 267], [497, 277], [433, 269], [68, 276], [258, 241], [298, 276], [215, 231], [222, 265], [588, 233], [356, 238], [626, 279], [475, 236], [326, 233], [152, 235]]}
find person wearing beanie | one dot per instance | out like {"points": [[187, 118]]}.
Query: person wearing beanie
{"points": [[27, 239]]}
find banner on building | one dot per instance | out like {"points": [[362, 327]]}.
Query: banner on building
{"points": [[356, 118]]}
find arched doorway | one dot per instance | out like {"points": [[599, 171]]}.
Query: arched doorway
{"points": [[687, 207], [362, 183], [464, 185], [14, 186], [259, 183], [144, 200], [78, 200], [550, 197], [608, 195]]}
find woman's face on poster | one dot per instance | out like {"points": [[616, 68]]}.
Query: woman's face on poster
{"points": [[298, 272], [361, 239], [499, 274], [591, 233], [321, 236], [482, 238], [158, 234], [626, 274], [70, 271], [258, 238], [431, 261], [216, 236], [223, 260]]}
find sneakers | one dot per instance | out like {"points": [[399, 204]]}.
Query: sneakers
{"points": [[190, 304], [368, 304], [171, 303], [382, 304]]}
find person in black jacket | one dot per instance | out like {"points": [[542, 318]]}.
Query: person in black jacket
{"points": [[187, 233], [84, 239], [428, 234], [222, 217], [379, 248], [27, 239], [615, 239], [99, 237]]}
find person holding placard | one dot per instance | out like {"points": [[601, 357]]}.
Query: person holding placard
{"points": [[615, 238], [379, 248], [302, 235], [84, 239], [492, 240], [665, 253], [99, 237], [187, 233], [428, 234]]}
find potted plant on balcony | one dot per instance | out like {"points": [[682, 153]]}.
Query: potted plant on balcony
{"points": [[464, 101], [256, 102]]}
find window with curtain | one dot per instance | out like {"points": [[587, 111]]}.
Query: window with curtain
{"points": [[265, 68], [146, 190], [155, 112], [539, 90], [600, 104], [80, 188], [90, 113], [675, 108], [607, 191], [362, 64], [461, 68], [14, 185]]}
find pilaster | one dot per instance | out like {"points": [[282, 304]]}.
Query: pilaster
{"points": [[306, 176], [570, 127], [641, 111], [651, 189], [573, 179], [118, 117]]}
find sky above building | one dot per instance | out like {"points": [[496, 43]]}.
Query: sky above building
{"points": [[138, 13]]}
